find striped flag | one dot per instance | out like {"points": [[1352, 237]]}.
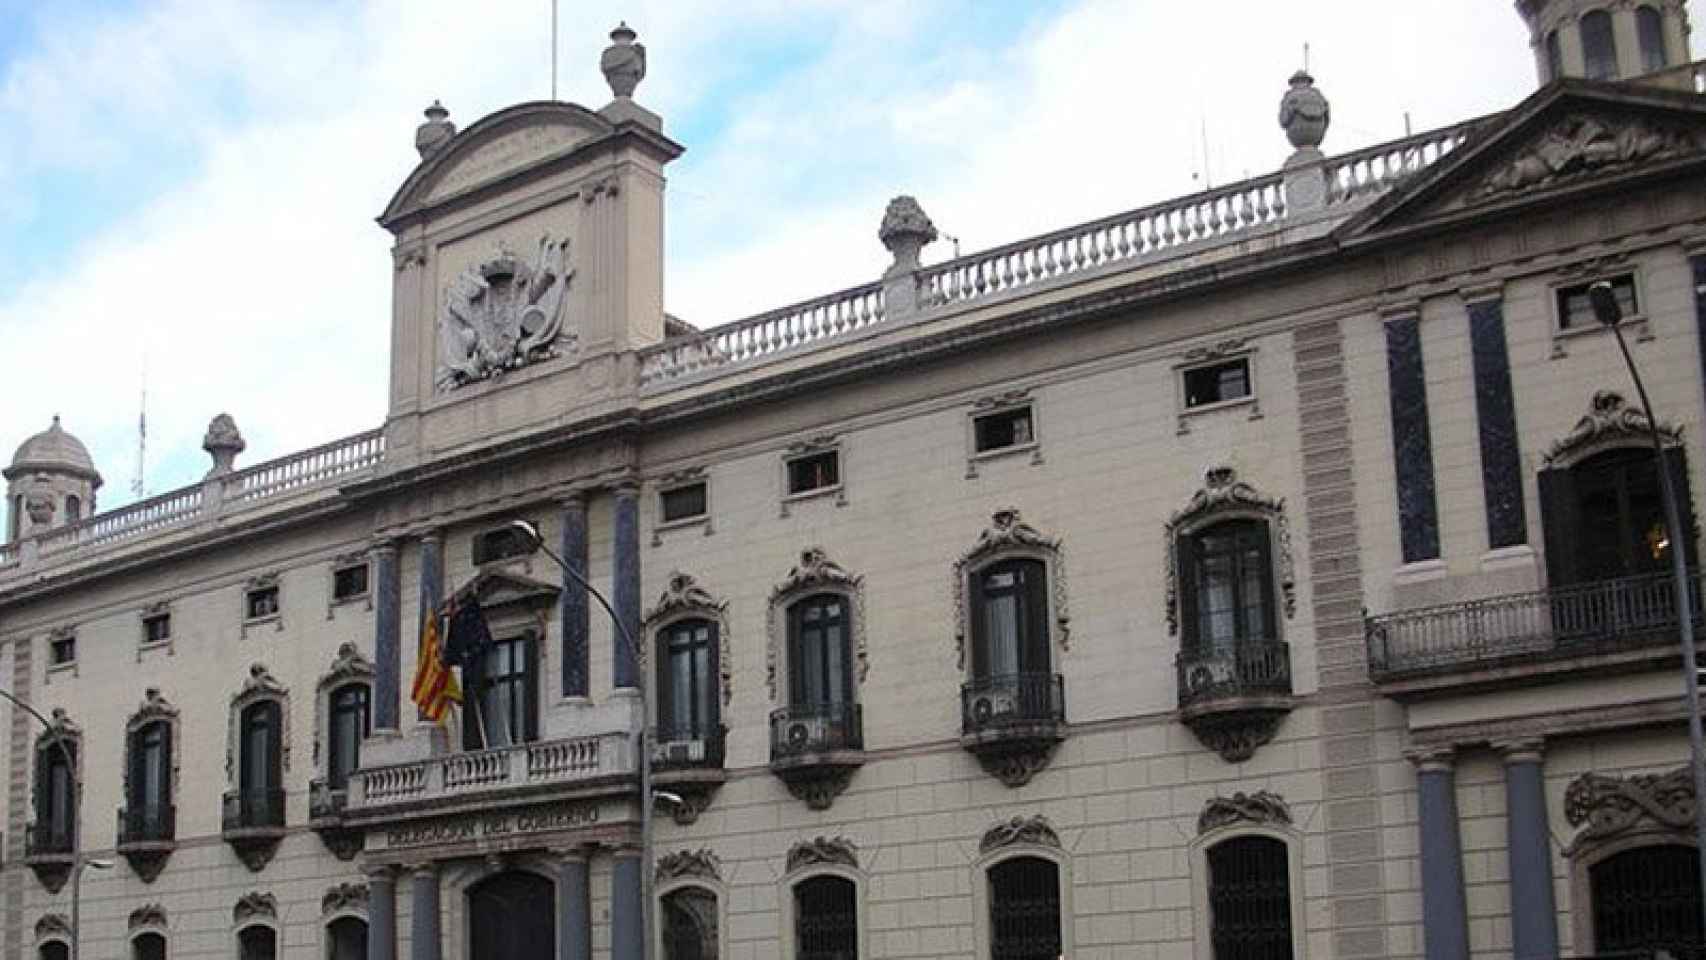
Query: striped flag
{"points": [[435, 686]]}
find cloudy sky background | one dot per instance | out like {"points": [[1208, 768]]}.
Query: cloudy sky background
{"points": [[188, 186]]}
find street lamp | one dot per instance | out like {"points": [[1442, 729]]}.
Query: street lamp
{"points": [[1607, 310], [643, 746], [78, 862]]}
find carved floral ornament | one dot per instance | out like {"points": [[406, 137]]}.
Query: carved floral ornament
{"points": [[60, 727], [1609, 422], [815, 572], [1027, 831], [260, 685], [1261, 808], [1579, 145], [1008, 536], [682, 598], [689, 864], [254, 906], [348, 665], [153, 707], [344, 897], [1605, 807], [52, 925], [150, 916], [835, 851], [504, 313], [1223, 496]]}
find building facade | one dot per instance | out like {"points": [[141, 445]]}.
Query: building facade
{"points": [[1278, 571]]}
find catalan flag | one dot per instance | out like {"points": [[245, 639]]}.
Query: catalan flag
{"points": [[435, 686]]}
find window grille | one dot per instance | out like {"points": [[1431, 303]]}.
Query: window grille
{"points": [[1024, 910], [1249, 897], [690, 924], [1648, 899], [826, 919]]}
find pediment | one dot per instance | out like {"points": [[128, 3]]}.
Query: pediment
{"points": [[497, 589], [1572, 137]]}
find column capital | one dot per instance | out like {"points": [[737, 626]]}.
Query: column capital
{"points": [[1521, 749], [578, 853], [626, 486], [1433, 758], [431, 535], [573, 498], [425, 869], [383, 545], [380, 872]]}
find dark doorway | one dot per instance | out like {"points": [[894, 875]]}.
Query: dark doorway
{"points": [[511, 916]]}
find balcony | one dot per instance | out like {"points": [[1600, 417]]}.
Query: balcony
{"points": [[1234, 696], [326, 818], [1012, 723], [146, 837], [482, 777], [688, 762], [1606, 626], [815, 748], [253, 824], [48, 852]]}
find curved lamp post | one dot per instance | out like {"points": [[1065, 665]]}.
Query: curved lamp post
{"points": [[1608, 312], [78, 862], [642, 743]]}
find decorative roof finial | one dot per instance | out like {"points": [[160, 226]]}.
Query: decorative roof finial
{"points": [[905, 231], [623, 62], [223, 442], [430, 137], [1304, 112]]}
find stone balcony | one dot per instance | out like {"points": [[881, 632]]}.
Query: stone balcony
{"points": [[1233, 697], [1012, 723], [588, 765], [1600, 628]]}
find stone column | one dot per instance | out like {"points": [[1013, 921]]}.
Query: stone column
{"points": [[1534, 914], [387, 651], [382, 913], [575, 620], [574, 906], [627, 926], [1445, 914], [424, 942], [625, 593]]}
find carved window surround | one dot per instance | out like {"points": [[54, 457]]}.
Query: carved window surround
{"points": [[812, 447], [1615, 814], [1582, 272], [688, 865], [161, 608], [1610, 423], [52, 869], [255, 909], [1020, 837], [822, 856], [684, 598], [1007, 402], [675, 481], [1009, 537], [815, 573], [1235, 348], [148, 918], [348, 667], [344, 900], [258, 584], [53, 928], [1261, 814], [1224, 497], [348, 561], [148, 858], [255, 845]]}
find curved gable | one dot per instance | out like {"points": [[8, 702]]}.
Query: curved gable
{"points": [[494, 147]]}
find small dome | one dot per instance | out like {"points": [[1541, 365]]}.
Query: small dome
{"points": [[54, 450]]}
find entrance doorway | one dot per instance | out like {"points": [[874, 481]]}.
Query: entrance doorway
{"points": [[511, 916]]}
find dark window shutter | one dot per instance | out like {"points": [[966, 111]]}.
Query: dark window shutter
{"points": [[530, 687], [1558, 515], [473, 703], [1676, 461], [977, 583], [1185, 556], [714, 683], [275, 752], [1034, 645], [135, 798], [1265, 576], [663, 702], [165, 796]]}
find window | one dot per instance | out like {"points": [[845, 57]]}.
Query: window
{"points": [[148, 803], [157, 628], [1226, 593], [817, 471], [1647, 899], [1599, 47], [1217, 383], [1003, 429], [348, 710], [55, 797], [512, 916], [1650, 29], [1605, 517], [261, 603], [689, 924], [148, 946], [73, 509], [1249, 896], [819, 673], [501, 544], [687, 681], [349, 583], [257, 943], [346, 939], [503, 683], [1024, 909], [826, 919], [260, 795], [1575, 310], [62, 650], [1554, 56], [54, 950], [683, 503]]}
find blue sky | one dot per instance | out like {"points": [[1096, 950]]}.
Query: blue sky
{"points": [[189, 186]]}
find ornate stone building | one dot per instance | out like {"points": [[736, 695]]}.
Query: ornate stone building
{"points": [[1271, 572]]}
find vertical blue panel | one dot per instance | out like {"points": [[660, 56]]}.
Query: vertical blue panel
{"points": [[387, 653], [626, 597], [1495, 413], [575, 621], [1412, 446]]}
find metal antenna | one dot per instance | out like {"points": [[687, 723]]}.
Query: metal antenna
{"points": [[553, 49], [1306, 56], [137, 484]]}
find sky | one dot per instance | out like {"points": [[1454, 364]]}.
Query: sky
{"points": [[188, 187]]}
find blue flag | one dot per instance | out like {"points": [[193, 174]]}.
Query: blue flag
{"points": [[468, 637]]}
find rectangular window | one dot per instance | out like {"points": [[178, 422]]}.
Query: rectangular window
{"points": [[349, 583], [1003, 429], [818, 471], [1217, 383], [503, 683], [683, 503], [62, 650], [501, 544], [1575, 311], [157, 628], [261, 603]]}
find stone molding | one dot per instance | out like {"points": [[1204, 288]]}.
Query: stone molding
{"points": [[815, 572], [253, 907], [344, 897], [52, 925], [1223, 497], [683, 598], [1027, 831], [834, 851], [1521, 749], [260, 685], [1261, 808], [1578, 145], [684, 864], [1009, 536], [1610, 422], [1434, 758], [1604, 808], [150, 916], [347, 665], [60, 727]]}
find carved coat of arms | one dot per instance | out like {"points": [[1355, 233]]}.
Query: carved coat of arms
{"points": [[502, 314]]}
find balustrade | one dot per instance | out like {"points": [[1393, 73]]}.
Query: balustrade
{"points": [[499, 768]]}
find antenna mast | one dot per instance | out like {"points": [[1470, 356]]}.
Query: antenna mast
{"points": [[553, 49], [137, 485]]}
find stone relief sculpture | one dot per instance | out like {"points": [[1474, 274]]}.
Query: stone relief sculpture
{"points": [[1579, 145], [1032, 831], [503, 314], [1260, 807], [834, 851], [624, 61], [1304, 112]]}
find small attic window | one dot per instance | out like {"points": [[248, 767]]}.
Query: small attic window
{"points": [[73, 509], [1217, 383], [261, 603], [500, 543]]}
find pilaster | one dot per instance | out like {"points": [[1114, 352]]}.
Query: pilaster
{"points": [[387, 638], [381, 913], [625, 592], [575, 619], [1445, 913], [574, 905], [627, 926], [424, 940], [1534, 912]]}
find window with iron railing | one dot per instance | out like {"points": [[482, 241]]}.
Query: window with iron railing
{"points": [[1249, 897], [826, 919], [1024, 909], [689, 924], [148, 803], [687, 704], [55, 798], [1648, 898], [348, 714]]}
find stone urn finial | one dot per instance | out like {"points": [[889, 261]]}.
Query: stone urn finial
{"points": [[1304, 113], [223, 442], [430, 137], [905, 232], [624, 62]]}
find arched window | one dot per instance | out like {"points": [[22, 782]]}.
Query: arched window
{"points": [[826, 919], [1554, 56], [1650, 31], [1024, 909], [1599, 46], [260, 788], [346, 939], [819, 668], [54, 950], [1605, 518], [1647, 899], [55, 796], [1010, 623], [504, 682], [148, 946], [73, 509], [257, 943], [1249, 896], [1227, 595], [687, 659], [148, 813], [689, 924], [512, 916], [348, 724]]}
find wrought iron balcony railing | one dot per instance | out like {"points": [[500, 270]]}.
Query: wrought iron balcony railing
{"points": [[253, 809], [147, 823], [815, 728], [1245, 668], [48, 839], [1607, 616], [688, 747], [1014, 700]]}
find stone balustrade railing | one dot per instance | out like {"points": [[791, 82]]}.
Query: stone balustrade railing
{"points": [[1364, 174], [307, 468], [477, 772], [767, 335]]}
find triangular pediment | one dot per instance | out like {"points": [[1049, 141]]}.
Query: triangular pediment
{"points": [[1572, 137], [498, 588]]}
